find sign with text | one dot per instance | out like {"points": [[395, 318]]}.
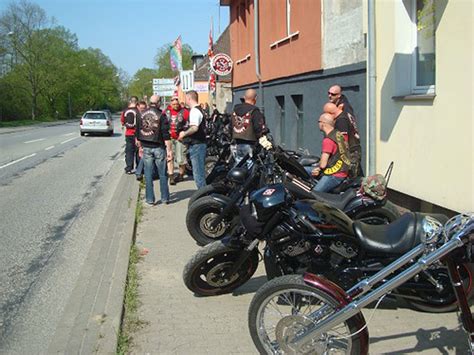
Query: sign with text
{"points": [[187, 80], [201, 87], [164, 87], [221, 64]]}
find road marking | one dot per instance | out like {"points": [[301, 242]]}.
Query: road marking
{"points": [[51, 147], [68, 140], [69, 134], [18, 160], [35, 140]]}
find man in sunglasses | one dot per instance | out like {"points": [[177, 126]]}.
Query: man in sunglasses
{"points": [[336, 96]]}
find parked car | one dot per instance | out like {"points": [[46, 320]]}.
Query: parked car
{"points": [[96, 122]]}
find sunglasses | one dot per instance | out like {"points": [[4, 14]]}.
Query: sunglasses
{"points": [[333, 93]]}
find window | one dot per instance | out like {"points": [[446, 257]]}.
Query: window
{"points": [[424, 54], [281, 117], [298, 101], [289, 35]]}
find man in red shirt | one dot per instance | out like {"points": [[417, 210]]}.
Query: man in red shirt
{"points": [[178, 118], [129, 119], [334, 164]]}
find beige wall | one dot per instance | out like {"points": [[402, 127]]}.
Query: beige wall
{"points": [[430, 141]]}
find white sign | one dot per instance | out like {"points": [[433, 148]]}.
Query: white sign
{"points": [[163, 81], [187, 80], [163, 92], [164, 87], [221, 64], [201, 87]]}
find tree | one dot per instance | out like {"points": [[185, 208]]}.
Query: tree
{"points": [[162, 60], [141, 83]]}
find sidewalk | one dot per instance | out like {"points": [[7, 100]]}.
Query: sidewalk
{"points": [[180, 323], [7, 130]]}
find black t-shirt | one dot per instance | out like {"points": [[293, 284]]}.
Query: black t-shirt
{"points": [[343, 124]]}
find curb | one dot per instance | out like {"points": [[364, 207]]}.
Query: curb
{"points": [[38, 125], [92, 318]]}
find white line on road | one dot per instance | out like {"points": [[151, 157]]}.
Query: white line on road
{"points": [[18, 160], [50, 147], [69, 134], [68, 140], [35, 140]]}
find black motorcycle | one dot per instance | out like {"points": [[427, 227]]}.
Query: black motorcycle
{"points": [[212, 217], [312, 236]]}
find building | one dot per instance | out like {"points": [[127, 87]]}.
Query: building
{"points": [[424, 101], [303, 47]]}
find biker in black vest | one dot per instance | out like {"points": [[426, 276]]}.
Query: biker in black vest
{"points": [[195, 138], [248, 125], [154, 137], [128, 119]]}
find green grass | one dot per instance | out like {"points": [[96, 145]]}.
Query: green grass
{"points": [[131, 322], [20, 123]]}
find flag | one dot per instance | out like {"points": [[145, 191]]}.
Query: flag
{"points": [[176, 58], [210, 51]]}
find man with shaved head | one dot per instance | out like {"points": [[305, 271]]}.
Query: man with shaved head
{"points": [[336, 96], [334, 163], [153, 136], [248, 125], [345, 123]]}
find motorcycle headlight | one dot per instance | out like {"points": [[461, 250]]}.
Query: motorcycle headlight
{"points": [[432, 229]]}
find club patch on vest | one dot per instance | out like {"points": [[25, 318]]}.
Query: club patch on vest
{"points": [[241, 123], [150, 123]]}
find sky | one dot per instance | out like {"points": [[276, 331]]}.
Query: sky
{"points": [[131, 31]]}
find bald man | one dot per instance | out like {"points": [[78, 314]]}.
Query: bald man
{"points": [[153, 136], [345, 123], [336, 96], [248, 125], [335, 163]]}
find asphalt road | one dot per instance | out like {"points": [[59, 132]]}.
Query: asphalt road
{"points": [[55, 188]]}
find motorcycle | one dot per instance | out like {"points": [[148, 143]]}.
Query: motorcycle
{"points": [[212, 217], [312, 236], [296, 314]]}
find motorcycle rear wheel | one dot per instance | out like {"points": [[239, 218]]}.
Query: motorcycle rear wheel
{"points": [[205, 274], [279, 311], [445, 301]]}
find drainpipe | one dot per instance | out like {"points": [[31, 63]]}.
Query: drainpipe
{"points": [[257, 52], [371, 106]]}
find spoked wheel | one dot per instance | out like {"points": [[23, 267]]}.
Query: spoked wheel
{"points": [[283, 307], [444, 300], [208, 273]]}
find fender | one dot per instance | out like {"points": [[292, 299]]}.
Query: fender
{"points": [[224, 200], [220, 169], [361, 203], [344, 299]]}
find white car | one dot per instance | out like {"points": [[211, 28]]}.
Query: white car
{"points": [[96, 122]]}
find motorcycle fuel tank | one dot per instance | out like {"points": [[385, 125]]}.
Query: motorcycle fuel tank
{"points": [[269, 196], [324, 216]]}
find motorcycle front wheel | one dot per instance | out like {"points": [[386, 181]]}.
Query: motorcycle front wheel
{"points": [[280, 310], [207, 273], [199, 220]]}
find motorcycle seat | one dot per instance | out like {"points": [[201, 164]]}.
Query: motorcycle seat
{"points": [[308, 160], [347, 184], [395, 238], [339, 201]]}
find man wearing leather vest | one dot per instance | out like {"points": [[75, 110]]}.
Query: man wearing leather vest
{"points": [[334, 163], [153, 136], [248, 125], [178, 120], [128, 119], [195, 138], [346, 124]]}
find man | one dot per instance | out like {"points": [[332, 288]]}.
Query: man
{"points": [[248, 125], [178, 118], [345, 123], [334, 163], [129, 118], [339, 99], [153, 136], [195, 138], [139, 170]]}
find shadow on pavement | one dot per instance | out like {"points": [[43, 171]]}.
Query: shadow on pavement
{"points": [[181, 195], [250, 286], [441, 339]]}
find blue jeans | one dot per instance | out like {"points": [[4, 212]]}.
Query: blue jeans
{"points": [[152, 157], [241, 150], [139, 169], [197, 153], [327, 182]]}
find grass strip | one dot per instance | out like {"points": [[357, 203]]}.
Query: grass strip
{"points": [[20, 123]]}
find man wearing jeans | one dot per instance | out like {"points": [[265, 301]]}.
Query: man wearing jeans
{"points": [[195, 138], [154, 137], [129, 118], [335, 162]]}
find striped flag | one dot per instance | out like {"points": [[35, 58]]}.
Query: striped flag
{"points": [[176, 58]]}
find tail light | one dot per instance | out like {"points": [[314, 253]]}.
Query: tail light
{"points": [[108, 123], [81, 123]]}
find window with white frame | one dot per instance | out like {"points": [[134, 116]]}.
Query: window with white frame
{"points": [[424, 54], [289, 35]]}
